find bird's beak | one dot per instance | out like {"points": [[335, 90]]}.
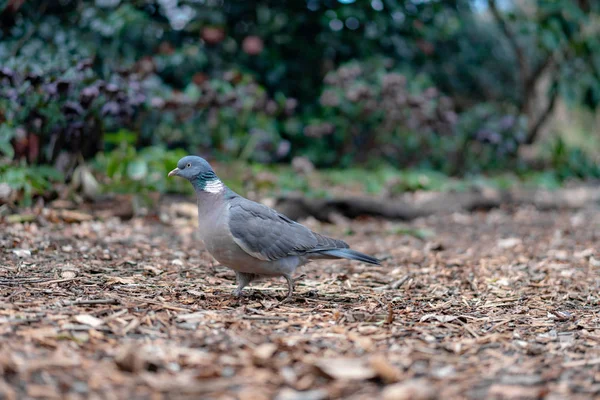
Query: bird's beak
{"points": [[175, 172]]}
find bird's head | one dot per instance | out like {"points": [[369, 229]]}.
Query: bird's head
{"points": [[199, 172], [191, 168]]}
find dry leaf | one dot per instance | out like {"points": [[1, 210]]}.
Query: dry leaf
{"points": [[71, 216], [264, 351], [418, 389], [440, 318], [87, 319], [509, 242], [346, 368], [22, 253], [117, 280], [385, 369]]}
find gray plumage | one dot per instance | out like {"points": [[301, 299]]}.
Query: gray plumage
{"points": [[251, 238]]}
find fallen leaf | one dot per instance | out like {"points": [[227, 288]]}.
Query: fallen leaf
{"points": [[71, 216], [508, 242], [22, 253], [264, 351], [516, 392], [117, 280], [418, 389], [440, 318], [346, 368], [291, 394], [385, 369], [87, 319]]}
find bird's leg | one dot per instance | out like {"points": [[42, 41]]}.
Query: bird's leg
{"points": [[290, 282], [243, 279]]}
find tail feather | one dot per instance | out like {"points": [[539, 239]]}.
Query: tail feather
{"points": [[350, 255]]}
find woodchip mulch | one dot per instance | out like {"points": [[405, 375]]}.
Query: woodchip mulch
{"points": [[502, 304]]}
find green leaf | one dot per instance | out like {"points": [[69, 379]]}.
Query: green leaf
{"points": [[6, 135], [137, 169], [121, 136], [45, 171]]}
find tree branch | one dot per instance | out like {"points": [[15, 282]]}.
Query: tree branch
{"points": [[543, 117], [512, 40], [542, 67]]}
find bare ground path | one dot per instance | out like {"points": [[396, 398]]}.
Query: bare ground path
{"points": [[503, 304]]}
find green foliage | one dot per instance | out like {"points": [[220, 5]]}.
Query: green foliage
{"points": [[446, 86], [370, 109], [141, 172], [233, 116], [29, 181], [490, 137], [568, 162], [54, 110], [419, 233]]}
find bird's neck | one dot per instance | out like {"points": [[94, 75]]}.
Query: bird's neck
{"points": [[209, 183]]}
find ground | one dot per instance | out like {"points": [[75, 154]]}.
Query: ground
{"points": [[501, 304]]}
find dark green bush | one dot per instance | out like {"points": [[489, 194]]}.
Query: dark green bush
{"points": [[58, 112], [368, 109], [446, 85]]}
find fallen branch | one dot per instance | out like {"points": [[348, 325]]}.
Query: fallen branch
{"points": [[411, 206], [90, 302]]}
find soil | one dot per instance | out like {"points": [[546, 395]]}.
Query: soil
{"points": [[496, 304]]}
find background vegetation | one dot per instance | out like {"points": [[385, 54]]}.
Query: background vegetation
{"points": [[111, 93]]}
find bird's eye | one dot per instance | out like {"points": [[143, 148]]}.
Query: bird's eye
{"points": [[188, 165]]}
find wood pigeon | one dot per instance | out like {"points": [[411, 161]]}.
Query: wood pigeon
{"points": [[251, 238]]}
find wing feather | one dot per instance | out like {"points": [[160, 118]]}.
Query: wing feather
{"points": [[267, 235]]}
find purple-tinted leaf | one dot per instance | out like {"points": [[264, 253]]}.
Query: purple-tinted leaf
{"points": [[50, 89], [6, 72], [84, 64], [62, 86], [507, 122], [283, 149], [72, 108], [110, 108], [111, 88], [33, 78], [88, 95]]}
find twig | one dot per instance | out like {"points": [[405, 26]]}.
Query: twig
{"points": [[134, 323], [390, 316], [59, 281], [264, 318], [21, 281], [158, 303], [400, 282], [90, 302]]}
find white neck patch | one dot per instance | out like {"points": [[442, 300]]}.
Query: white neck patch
{"points": [[214, 186]]}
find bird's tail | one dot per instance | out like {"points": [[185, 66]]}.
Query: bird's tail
{"points": [[350, 255]]}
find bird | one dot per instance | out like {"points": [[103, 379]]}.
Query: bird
{"points": [[251, 238]]}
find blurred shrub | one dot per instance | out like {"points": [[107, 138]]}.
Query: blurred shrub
{"points": [[369, 109], [55, 115], [491, 136], [126, 170], [20, 183], [232, 116], [266, 81], [569, 162]]}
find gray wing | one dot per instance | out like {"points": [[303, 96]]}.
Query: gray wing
{"points": [[267, 235]]}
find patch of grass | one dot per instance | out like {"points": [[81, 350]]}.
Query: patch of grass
{"points": [[419, 233], [327, 183], [27, 181]]}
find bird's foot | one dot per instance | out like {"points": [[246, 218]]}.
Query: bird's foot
{"points": [[237, 293], [290, 282]]}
